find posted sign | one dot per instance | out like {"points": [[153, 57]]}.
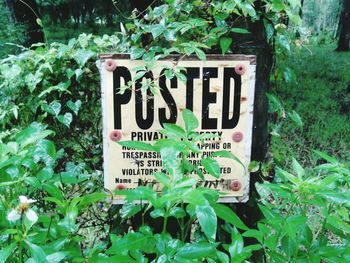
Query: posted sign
{"points": [[220, 92]]}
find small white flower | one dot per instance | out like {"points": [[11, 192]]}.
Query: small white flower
{"points": [[23, 209], [24, 200], [13, 215]]}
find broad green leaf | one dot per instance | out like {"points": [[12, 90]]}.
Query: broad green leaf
{"points": [[177, 212], [240, 30], [196, 250], [225, 43], [226, 214], [54, 191], [5, 252], [298, 168], [92, 198], [65, 119], [227, 154], [57, 257], [129, 209], [37, 252], [236, 246], [295, 117], [207, 220], [173, 131], [162, 178], [325, 156], [131, 241], [200, 54], [212, 166], [136, 53], [74, 106], [190, 120], [81, 56]]}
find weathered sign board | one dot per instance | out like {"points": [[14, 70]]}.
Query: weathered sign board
{"points": [[220, 92]]}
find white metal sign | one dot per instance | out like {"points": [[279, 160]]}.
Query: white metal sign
{"points": [[220, 92]]}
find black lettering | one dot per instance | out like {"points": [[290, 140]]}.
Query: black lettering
{"points": [[227, 121], [169, 100], [208, 98], [144, 123], [119, 99], [191, 74]]}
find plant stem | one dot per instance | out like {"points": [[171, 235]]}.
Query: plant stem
{"points": [[20, 252], [165, 224]]}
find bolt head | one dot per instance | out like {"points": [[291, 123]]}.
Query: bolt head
{"points": [[110, 65], [237, 136], [120, 187], [115, 136], [240, 69], [235, 185]]}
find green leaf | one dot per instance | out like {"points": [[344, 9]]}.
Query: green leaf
{"points": [[162, 178], [131, 241], [92, 198], [65, 119], [5, 252], [53, 191], [326, 156], [336, 197], [74, 106], [207, 220], [137, 145], [177, 212], [236, 246], [39, 22], [240, 30], [173, 131], [200, 54], [254, 166], [57, 257], [136, 53], [298, 168], [227, 154], [225, 43], [190, 120], [37, 252], [195, 250], [81, 56], [212, 166], [129, 209], [226, 214], [295, 117]]}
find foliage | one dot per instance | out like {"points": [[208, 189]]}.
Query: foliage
{"points": [[320, 94], [12, 34], [52, 200]]}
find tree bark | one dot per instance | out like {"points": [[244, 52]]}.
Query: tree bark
{"points": [[344, 26], [25, 12]]}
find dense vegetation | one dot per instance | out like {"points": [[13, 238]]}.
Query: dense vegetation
{"points": [[53, 206]]}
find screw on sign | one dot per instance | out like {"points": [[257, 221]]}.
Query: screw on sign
{"points": [[240, 69], [120, 187], [110, 65], [236, 185], [115, 136], [237, 136]]}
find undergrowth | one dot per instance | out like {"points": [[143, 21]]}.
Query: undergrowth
{"points": [[320, 94]]}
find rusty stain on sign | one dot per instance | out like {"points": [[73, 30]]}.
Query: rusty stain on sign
{"points": [[220, 92]]}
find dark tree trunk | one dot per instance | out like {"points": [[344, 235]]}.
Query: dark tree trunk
{"points": [[26, 13], [301, 8], [344, 27]]}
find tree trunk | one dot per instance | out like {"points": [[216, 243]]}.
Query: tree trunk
{"points": [[26, 13], [344, 26]]}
